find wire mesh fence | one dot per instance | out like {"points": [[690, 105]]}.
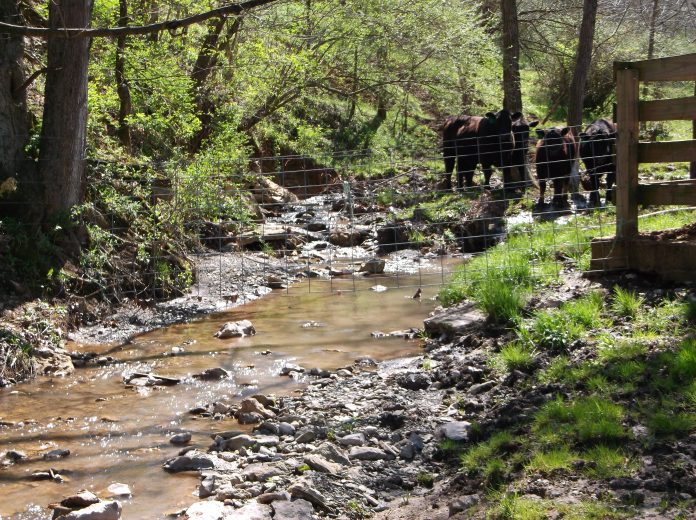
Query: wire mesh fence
{"points": [[345, 221]]}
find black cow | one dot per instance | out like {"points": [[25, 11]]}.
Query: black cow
{"points": [[556, 152], [488, 141], [597, 152], [520, 152]]}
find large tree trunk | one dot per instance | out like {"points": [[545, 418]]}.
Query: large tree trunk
{"points": [[14, 120], [582, 65], [122, 88], [512, 88], [63, 134], [692, 171]]}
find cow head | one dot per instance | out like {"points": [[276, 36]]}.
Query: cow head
{"points": [[520, 129], [553, 135], [597, 149]]}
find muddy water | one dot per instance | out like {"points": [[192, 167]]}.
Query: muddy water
{"points": [[120, 434]]}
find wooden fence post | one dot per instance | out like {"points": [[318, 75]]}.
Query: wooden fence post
{"points": [[627, 154]]}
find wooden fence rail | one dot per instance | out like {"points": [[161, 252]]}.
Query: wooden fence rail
{"points": [[628, 249]]}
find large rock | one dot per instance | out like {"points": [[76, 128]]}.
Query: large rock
{"points": [[373, 266], [98, 511], [191, 461], [332, 453], [253, 511], [413, 381], [302, 490], [454, 321], [209, 510], [320, 464], [81, 499], [251, 405], [352, 439], [212, 374], [454, 431], [297, 510], [262, 472], [236, 329], [368, 453], [238, 442]]}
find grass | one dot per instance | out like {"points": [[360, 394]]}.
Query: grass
{"points": [[586, 420], [546, 462], [425, 479], [551, 330], [511, 506], [501, 301], [515, 356], [607, 462], [626, 303], [480, 455], [668, 424]]}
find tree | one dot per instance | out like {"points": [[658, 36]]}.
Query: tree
{"points": [[583, 59], [512, 89]]}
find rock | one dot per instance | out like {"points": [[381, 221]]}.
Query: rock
{"points": [[141, 379], [119, 490], [238, 442], [251, 405], [367, 453], [249, 418], [209, 510], [301, 490], [180, 438], [373, 266], [56, 454], [267, 440], [252, 511], [262, 472], [392, 420], [305, 436], [378, 288], [330, 452], [413, 381], [212, 374], [320, 464], [299, 509], [207, 486], [455, 431], [353, 439], [408, 451], [462, 504], [81, 499], [286, 429], [236, 329], [270, 497], [264, 400], [192, 461], [285, 371], [481, 387], [99, 511], [15, 455], [454, 321]]}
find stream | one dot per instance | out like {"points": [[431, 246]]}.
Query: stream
{"points": [[119, 434]]}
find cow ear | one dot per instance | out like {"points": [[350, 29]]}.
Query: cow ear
{"points": [[516, 116], [540, 133], [491, 117], [533, 124], [565, 130]]}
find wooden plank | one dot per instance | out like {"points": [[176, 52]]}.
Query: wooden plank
{"points": [[608, 254], [675, 68], [668, 194], [667, 152], [683, 109], [626, 154]]}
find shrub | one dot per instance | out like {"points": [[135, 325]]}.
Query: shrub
{"points": [[553, 330]]}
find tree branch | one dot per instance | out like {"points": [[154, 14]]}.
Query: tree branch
{"points": [[170, 25]]}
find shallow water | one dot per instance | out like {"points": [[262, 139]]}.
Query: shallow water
{"points": [[120, 434]]}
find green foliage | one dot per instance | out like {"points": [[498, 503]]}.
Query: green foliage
{"points": [[626, 303], [587, 420], [425, 479], [516, 356], [501, 300], [547, 462], [674, 424], [551, 330]]}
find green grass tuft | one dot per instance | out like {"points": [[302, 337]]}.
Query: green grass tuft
{"points": [[626, 303], [546, 462], [501, 301], [515, 356]]}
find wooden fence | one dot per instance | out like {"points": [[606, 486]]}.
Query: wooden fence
{"points": [[669, 259]]}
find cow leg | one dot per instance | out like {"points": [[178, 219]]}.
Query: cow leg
{"points": [[447, 182], [487, 174], [542, 191], [611, 178]]}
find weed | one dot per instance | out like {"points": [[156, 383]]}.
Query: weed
{"points": [[501, 301], [302, 468], [672, 424], [553, 460], [607, 462], [586, 311], [626, 303], [425, 479], [516, 356], [590, 419], [553, 330]]}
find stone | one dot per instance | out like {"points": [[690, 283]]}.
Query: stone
{"points": [[264, 400], [207, 486], [180, 438], [286, 429], [392, 420], [212, 374], [367, 453], [454, 321], [353, 439], [81, 499], [305, 436], [462, 504], [288, 368], [192, 461], [56, 454], [252, 511], [407, 451], [209, 510], [413, 381], [99, 511], [249, 418], [481, 387], [263, 471], [15, 455], [251, 405], [373, 266], [267, 440], [320, 464], [237, 443], [119, 490], [301, 490], [235, 329], [454, 431], [269, 498], [330, 452], [299, 509]]}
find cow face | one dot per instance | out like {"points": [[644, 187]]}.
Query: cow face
{"points": [[520, 129], [597, 148]]}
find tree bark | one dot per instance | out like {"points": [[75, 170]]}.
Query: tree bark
{"points": [[692, 170], [512, 88], [582, 65], [14, 116], [125, 106], [63, 134]]}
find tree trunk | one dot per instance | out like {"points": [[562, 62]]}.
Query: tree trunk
{"points": [[63, 134], [14, 117], [582, 65], [122, 88], [692, 171], [512, 89]]}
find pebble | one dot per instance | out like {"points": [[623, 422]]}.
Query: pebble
{"points": [[180, 438]]}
